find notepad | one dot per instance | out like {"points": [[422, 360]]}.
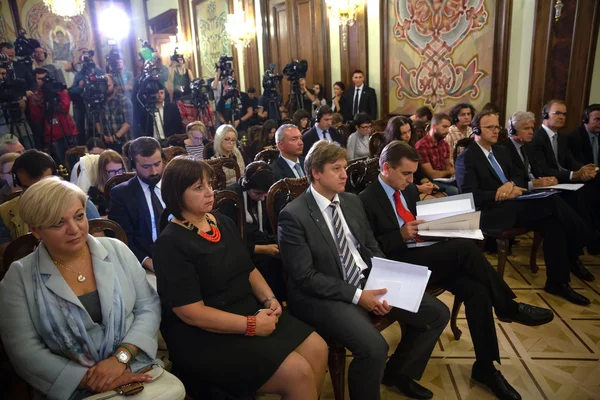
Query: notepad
{"points": [[450, 217], [405, 283], [564, 186]]}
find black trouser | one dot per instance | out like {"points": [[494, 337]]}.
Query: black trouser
{"points": [[460, 267]]}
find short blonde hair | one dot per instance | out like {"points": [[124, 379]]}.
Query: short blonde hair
{"points": [[196, 125], [43, 204], [8, 158], [320, 154]]}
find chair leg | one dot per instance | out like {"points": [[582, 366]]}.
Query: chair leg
{"points": [[455, 309], [502, 255], [537, 241], [337, 370]]}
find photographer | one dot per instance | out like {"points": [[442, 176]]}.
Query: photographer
{"points": [[160, 120], [224, 70], [17, 70], [253, 99], [180, 77], [49, 111], [116, 68], [234, 107], [39, 61], [119, 116]]}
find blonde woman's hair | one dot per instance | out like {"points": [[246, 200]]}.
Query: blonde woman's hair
{"points": [[195, 125], [106, 157], [219, 135], [43, 204], [8, 158]]}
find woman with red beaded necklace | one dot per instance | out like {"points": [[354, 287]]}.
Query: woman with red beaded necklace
{"points": [[222, 324]]}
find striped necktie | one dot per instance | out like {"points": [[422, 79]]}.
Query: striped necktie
{"points": [[351, 270]]}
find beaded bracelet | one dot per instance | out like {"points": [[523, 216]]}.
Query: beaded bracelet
{"points": [[251, 326]]}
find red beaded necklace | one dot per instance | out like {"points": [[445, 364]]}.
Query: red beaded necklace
{"points": [[214, 237]]}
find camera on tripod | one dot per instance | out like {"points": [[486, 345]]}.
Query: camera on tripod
{"points": [[51, 88], [24, 48], [149, 83], [295, 70], [232, 90], [113, 59], [270, 81], [226, 66], [12, 90], [200, 90]]}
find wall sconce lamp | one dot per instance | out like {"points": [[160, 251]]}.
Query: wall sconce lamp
{"points": [[343, 12]]}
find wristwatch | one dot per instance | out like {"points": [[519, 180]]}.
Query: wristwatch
{"points": [[123, 357]]}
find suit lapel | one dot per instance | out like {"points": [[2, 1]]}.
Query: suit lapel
{"points": [[549, 149], [586, 144], [105, 276], [140, 201], [384, 202], [483, 160], [287, 171], [319, 221], [54, 281]]}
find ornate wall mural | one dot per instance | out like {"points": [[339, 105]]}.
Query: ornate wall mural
{"points": [[211, 37], [440, 53]]}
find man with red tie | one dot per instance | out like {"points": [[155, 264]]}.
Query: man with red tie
{"points": [[457, 265]]}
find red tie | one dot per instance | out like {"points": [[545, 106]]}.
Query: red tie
{"points": [[405, 214]]}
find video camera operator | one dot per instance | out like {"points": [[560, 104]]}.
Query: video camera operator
{"points": [[16, 70], [162, 119], [13, 104], [116, 68], [253, 101], [196, 105], [118, 112], [180, 77], [49, 110], [85, 68], [39, 61], [224, 70], [234, 107], [270, 104]]}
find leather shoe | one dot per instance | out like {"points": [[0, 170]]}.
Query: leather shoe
{"points": [[565, 291], [528, 315], [407, 386], [580, 271], [497, 384]]}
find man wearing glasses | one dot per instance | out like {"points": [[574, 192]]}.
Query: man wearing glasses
{"points": [[486, 170]]}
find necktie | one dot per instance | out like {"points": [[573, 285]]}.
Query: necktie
{"points": [[326, 135], [157, 208], [355, 106], [298, 170], [350, 268], [497, 168], [594, 140], [526, 163], [555, 147], [405, 214]]}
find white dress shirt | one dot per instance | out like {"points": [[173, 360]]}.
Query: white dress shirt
{"points": [[487, 155], [360, 90], [320, 133], [551, 135], [159, 133], [323, 204], [292, 164], [529, 174]]}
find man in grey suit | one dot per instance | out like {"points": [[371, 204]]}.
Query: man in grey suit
{"points": [[326, 245]]}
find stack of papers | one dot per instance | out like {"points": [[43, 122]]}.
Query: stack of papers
{"points": [[564, 186], [405, 283], [452, 179], [450, 217]]}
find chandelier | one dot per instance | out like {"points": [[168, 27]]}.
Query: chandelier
{"points": [[343, 12], [65, 8], [239, 30]]}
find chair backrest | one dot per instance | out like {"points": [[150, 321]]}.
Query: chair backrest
{"points": [[114, 181], [223, 197], [73, 155], [461, 145], [17, 249], [254, 133], [217, 164], [376, 144], [102, 225], [346, 130], [372, 167], [419, 130], [356, 171], [13, 195], [378, 125], [267, 155], [177, 140], [209, 150], [171, 152], [287, 189]]}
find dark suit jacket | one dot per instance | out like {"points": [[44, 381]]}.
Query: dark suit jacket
{"points": [[543, 162], [281, 169], [311, 136], [515, 158], [367, 103], [580, 146], [478, 177], [128, 207], [172, 122], [382, 217], [309, 251]]}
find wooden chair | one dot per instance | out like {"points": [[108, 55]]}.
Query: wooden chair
{"points": [[114, 181], [378, 125], [73, 155], [224, 197], [17, 249], [419, 130], [254, 133], [376, 144], [346, 130], [503, 239], [11, 196], [98, 225], [177, 140], [217, 164], [267, 155], [209, 150], [171, 152], [356, 171]]}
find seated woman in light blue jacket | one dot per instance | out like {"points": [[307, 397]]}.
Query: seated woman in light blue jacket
{"points": [[77, 316]]}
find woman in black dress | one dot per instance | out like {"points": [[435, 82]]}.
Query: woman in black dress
{"points": [[221, 322]]}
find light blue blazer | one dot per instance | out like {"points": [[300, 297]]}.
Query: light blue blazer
{"points": [[53, 375]]}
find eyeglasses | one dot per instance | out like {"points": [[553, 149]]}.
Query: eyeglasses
{"points": [[366, 127], [229, 140], [113, 172], [559, 113], [493, 127]]}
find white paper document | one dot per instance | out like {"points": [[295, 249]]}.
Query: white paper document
{"points": [[405, 283], [450, 217], [474, 234], [452, 179], [431, 210], [564, 186]]}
